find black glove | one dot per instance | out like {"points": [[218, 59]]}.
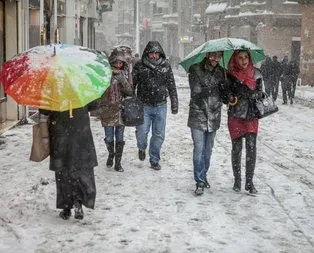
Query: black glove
{"points": [[230, 98]]}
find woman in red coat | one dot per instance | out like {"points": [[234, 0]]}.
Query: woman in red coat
{"points": [[245, 86]]}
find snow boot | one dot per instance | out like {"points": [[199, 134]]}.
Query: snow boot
{"points": [[118, 156], [141, 155], [207, 185], [250, 163], [65, 214], [78, 210], [110, 148], [236, 165], [199, 189]]}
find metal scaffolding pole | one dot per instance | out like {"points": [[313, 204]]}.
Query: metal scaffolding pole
{"points": [[26, 46]]}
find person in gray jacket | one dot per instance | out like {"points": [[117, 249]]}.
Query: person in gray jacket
{"points": [[206, 81]]}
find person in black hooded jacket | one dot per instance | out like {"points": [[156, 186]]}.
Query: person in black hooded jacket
{"points": [[153, 82]]}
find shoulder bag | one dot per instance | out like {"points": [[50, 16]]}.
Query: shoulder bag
{"points": [[265, 106], [41, 146], [132, 111]]}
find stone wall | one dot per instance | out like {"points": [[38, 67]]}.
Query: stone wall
{"points": [[307, 45]]}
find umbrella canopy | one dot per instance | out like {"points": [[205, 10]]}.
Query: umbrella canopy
{"points": [[225, 45], [56, 77]]}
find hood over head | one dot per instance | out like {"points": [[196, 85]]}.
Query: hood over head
{"points": [[153, 46]]}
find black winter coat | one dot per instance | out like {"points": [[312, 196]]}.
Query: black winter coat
{"points": [[207, 94], [71, 141], [154, 81], [245, 107]]}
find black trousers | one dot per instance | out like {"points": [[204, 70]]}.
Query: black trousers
{"points": [[250, 144]]}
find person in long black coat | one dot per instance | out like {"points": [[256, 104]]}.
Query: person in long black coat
{"points": [[72, 158]]}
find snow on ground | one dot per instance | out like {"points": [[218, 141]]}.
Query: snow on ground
{"points": [[142, 210]]}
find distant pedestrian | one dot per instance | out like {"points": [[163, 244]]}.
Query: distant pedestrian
{"points": [[72, 158], [286, 82], [111, 112], [153, 81], [295, 71], [266, 69], [206, 81], [275, 77]]}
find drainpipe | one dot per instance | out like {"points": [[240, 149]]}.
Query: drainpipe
{"points": [[26, 46]]}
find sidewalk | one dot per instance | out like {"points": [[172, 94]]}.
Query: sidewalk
{"points": [[7, 125]]}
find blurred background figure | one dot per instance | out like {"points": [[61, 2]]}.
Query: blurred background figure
{"points": [[266, 69], [295, 71], [276, 73], [286, 80], [135, 59]]}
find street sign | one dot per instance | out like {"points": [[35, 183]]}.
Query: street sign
{"points": [[105, 5]]}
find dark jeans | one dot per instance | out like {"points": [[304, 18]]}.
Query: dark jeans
{"points": [[154, 118], [203, 142], [114, 131]]}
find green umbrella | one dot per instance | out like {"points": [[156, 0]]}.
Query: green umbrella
{"points": [[225, 45]]}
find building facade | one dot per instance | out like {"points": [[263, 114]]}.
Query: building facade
{"points": [[29, 23], [307, 43], [273, 25]]}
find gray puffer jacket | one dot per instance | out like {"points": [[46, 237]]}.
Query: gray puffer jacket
{"points": [[207, 93]]}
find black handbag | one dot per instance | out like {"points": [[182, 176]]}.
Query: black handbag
{"points": [[265, 106], [132, 111]]}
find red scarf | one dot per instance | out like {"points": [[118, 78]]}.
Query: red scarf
{"points": [[245, 76]]}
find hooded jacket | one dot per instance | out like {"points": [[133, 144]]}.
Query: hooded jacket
{"points": [[110, 110], [154, 80]]}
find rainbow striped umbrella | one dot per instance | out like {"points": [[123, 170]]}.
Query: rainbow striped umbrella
{"points": [[56, 77]]}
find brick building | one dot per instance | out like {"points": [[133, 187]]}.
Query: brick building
{"points": [[273, 25]]}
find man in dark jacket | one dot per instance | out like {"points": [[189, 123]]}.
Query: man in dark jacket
{"points": [[153, 82], [206, 81], [286, 81], [266, 69], [276, 73], [295, 71]]}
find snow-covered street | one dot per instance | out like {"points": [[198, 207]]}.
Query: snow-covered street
{"points": [[142, 210]]}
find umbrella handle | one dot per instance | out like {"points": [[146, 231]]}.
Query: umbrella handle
{"points": [[70, 111]]}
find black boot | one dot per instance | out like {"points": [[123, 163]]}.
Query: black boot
{"points": [[118, 156], [65, 214], [250, 163], [78, 210], [110, 148], [236, 163]]}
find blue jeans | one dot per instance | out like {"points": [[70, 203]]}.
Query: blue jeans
{"points": [[203, 142], [156, 117], [112, 131]]}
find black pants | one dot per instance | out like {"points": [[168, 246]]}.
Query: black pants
{"points": [[294, 85], [274, 88], [286, 90], [250, 144]]}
